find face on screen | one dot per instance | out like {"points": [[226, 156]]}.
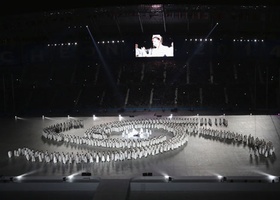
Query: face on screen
{"points": [[157, 48], [156, 42]]}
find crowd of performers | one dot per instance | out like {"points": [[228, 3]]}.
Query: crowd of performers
{"points": [[218, 122], [117, 149], [123, 148], [255, 144], [65, 126], [142, 133]]}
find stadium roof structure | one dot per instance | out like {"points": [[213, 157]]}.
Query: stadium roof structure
{"points": [[14, 7], [39, 21]]}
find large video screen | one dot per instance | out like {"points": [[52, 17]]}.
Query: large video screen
{"points": [[155, 46]]}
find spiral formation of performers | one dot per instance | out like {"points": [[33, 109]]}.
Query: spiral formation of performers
{"points": [[117, 149], [135, 141]]}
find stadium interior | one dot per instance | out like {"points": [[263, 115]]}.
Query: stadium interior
{"points": [[93, 60]]}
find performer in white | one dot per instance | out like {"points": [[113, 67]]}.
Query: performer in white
{"points": [[158, 50]]}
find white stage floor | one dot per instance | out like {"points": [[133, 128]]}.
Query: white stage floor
{"points": [[199, 157]]}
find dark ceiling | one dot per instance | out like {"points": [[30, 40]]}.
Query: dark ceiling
{"points": [[46, 20], [12, 7]]}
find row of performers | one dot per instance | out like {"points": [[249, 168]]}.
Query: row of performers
{"points": [[255, 144], [106, 143], [92, 139], [65, 126], [106, 129], [119, 154], [218, 121]]}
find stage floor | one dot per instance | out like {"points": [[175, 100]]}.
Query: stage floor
{"points": [[199, 157]]}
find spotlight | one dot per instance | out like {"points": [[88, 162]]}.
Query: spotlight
{"points": [[70, 177], [273, 179], [219, 176], [269, 177], [168, 178], [19, 177]]}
